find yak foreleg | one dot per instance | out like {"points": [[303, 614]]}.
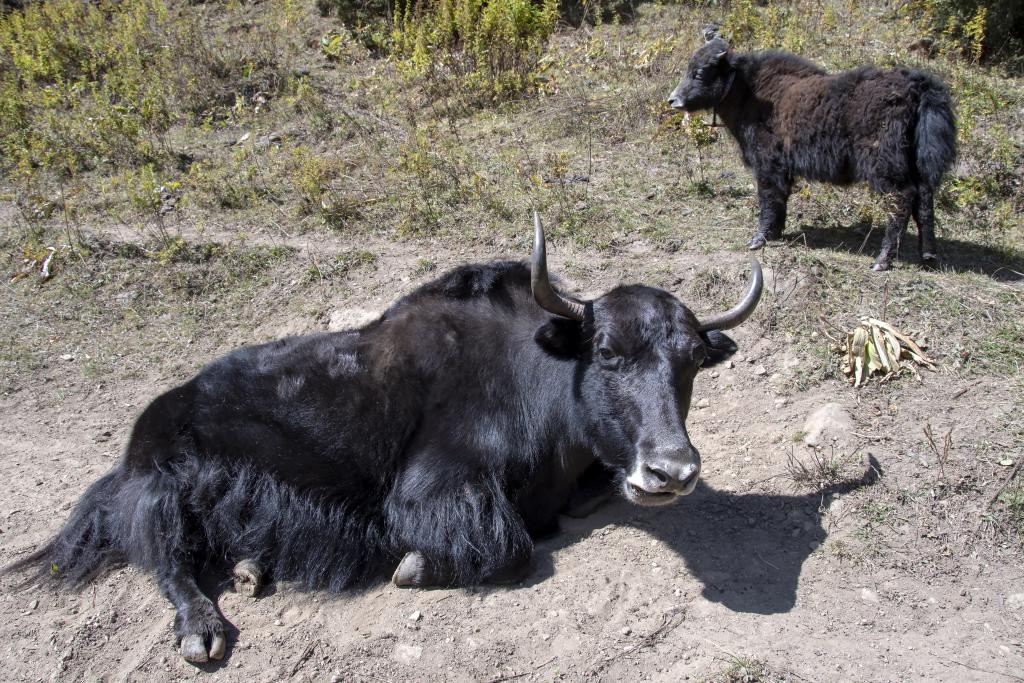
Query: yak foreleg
{"points": [[773, 189], [197, 625]]}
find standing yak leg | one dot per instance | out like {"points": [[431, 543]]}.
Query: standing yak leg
{"points": [[899, 214], [772, 196], [924, 216], [197, 625]]}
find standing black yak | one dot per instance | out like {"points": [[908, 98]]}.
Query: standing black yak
{"points": [[439, 438], [893, 129]]}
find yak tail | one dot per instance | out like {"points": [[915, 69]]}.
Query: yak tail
{"points": [[935, 135], [85, 546]]}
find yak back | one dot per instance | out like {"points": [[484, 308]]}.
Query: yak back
{"points": [[839, 128], [335, 412]]}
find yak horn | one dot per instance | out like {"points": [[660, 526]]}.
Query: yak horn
{"points": [[742, 310], [546, 297]]}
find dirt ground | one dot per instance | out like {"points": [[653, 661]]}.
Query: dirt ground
{"points": [[751, 578]]}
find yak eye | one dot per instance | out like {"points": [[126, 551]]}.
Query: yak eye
{"points": [[606, 353]]}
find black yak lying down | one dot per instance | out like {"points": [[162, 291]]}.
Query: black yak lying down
{"points": [[893, 129], [439, 438]]}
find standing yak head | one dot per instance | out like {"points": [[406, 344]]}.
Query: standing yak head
{"points": [[708, 77], [637, 351]]}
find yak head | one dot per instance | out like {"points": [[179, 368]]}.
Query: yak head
{"points": [[707, 79], [638, 350]]}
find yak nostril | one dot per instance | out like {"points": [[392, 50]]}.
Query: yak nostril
{"points": [[691, 476], [661, 475]]}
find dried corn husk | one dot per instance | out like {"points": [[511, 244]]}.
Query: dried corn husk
{"points": [[876, 347]]}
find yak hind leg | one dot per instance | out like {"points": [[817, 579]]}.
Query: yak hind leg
{"points": [[198, 627], [924, 216], [248, 578], [900, 206]]}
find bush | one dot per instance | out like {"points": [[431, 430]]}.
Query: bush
{"points": [[481, 51], [84, 84], [979, 29]]}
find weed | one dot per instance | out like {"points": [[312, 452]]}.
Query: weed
{"points": [[340, 265], [823, 470]]}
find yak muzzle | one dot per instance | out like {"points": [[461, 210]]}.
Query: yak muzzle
{"points": [[664, 478]]}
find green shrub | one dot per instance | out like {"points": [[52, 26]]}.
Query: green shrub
{"points": [[88, 84], [478, 50], [978, 29]]}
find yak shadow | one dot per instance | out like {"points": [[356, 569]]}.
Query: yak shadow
{"points": [[955, 255], [747, 550]]}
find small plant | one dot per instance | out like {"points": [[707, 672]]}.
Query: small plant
{"points": [[340, 266], [823, 470]]}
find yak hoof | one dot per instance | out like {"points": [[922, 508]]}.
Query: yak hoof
{"points": [[248, 578], [756, 242], [929, 260], [881, 265], [193, 648], [412, 571]]}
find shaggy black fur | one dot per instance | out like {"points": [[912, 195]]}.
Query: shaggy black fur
{"points": [[454, 426], [893, 129]]}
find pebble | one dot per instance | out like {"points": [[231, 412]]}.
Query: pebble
{"points": [[33, 604], [729, 365], [1015, 600], [703, 403], [415, 616], [67, 356], [760, 370], [626, 630], [868, 595]]}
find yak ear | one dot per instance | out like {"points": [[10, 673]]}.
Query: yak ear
{"points": [[560, 337], [720, 347]]}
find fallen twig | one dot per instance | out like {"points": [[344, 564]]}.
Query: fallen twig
{"points": [[511, 677], [1002, 487], [303, 657], [977, 668], [670, 621]]}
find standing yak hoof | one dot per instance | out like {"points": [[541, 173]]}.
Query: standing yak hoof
{"points": [[881, 265], [930, 261], [756, 242], [248, 578]]}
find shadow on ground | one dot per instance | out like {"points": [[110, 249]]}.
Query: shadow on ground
{"points": [[747, 550], [955, 255]]}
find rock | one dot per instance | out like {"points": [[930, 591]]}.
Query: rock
{"points": [[67, 357], [349, 318], [1015, 600], [703, 403], [868, 595], [415, 616], [828, 424], [626, 630], [729, 365], [408, 654], [760, 370]]}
